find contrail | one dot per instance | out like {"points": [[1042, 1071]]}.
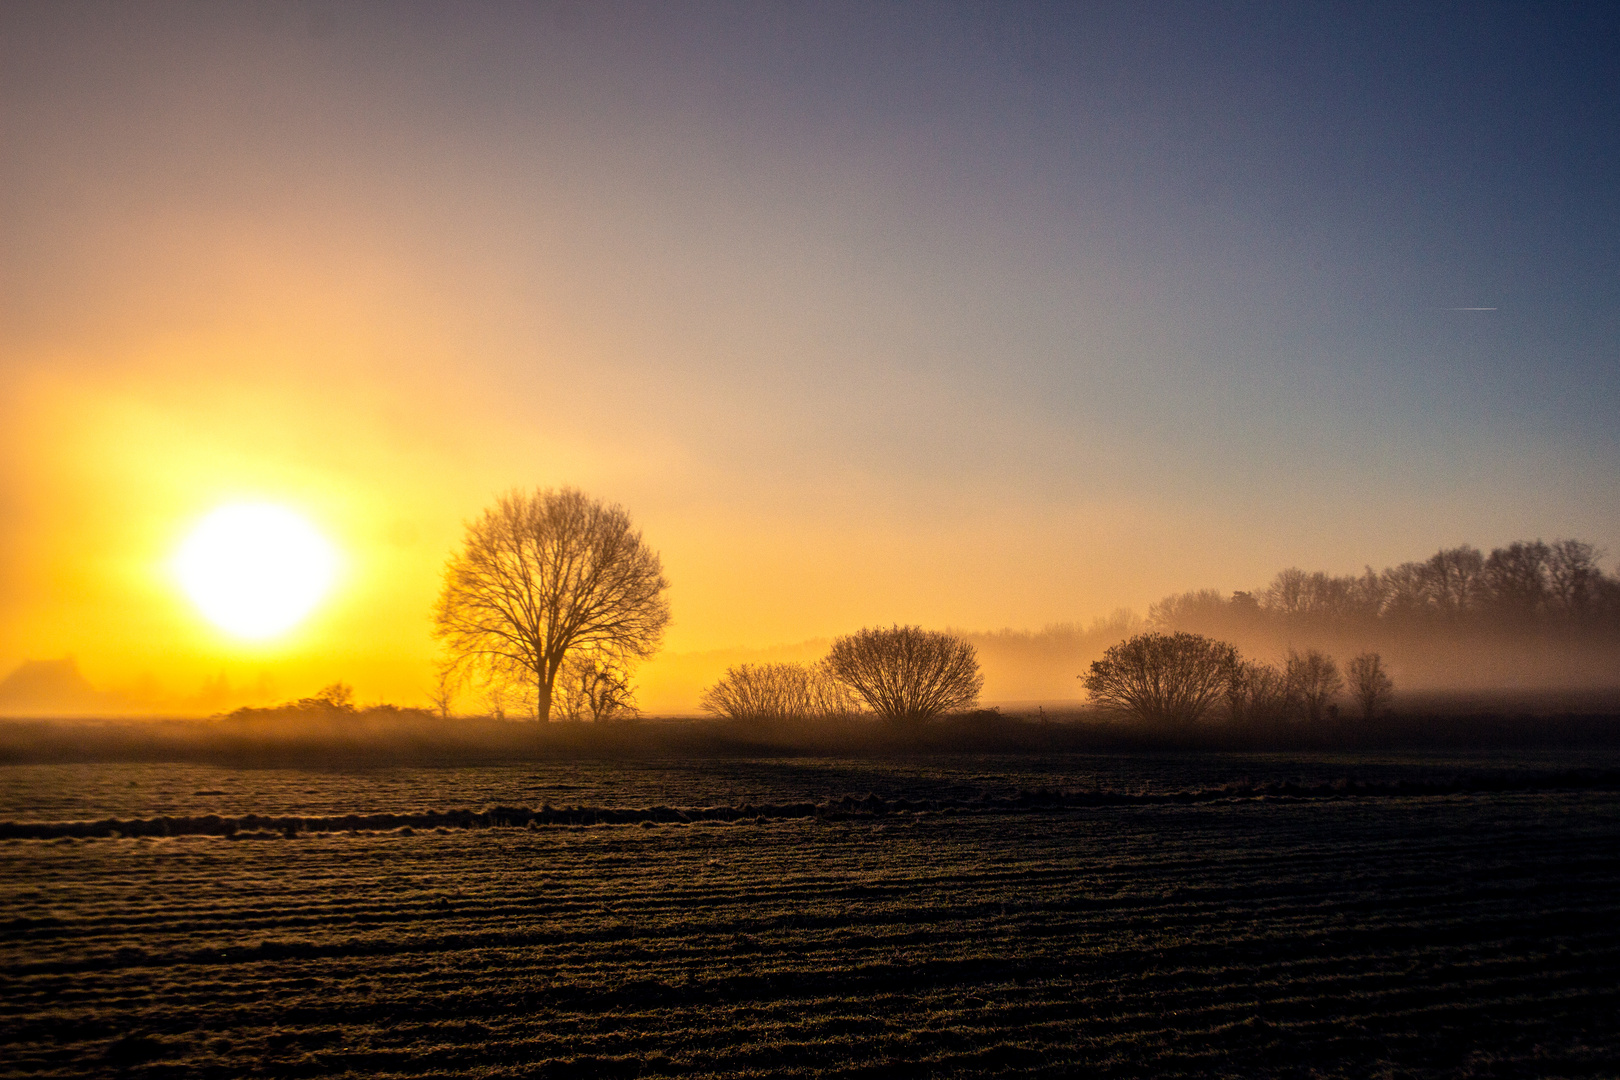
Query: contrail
{"points": [[1470, 309]]}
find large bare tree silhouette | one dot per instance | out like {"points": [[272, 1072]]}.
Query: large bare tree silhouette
{"points": [[543, 577]]}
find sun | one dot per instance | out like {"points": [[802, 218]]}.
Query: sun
{"points": [[255, 570]]}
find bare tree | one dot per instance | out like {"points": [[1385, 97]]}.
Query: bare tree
{"points": [[1312, 681], [1405, 590], [1239, 690], [497, 698], [1162, 678], [1517, 576], [1573, 576], [779, 692], [1369, 594], [906, 673], [1454, 579], [1288, 592], [544, 576], [443, 694], [1370, 683]]}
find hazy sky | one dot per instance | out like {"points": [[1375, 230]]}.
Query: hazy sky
{"points": [[977, 316]]}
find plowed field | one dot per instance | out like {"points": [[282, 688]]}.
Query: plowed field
{"points": [[947, 925]]}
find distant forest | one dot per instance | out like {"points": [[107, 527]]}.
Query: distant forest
{"points": [[1529, 614]]}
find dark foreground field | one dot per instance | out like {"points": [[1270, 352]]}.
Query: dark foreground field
{"points": [[1145, 917]]}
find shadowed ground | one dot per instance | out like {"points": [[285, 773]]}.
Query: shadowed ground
{"points": [[1471, 933]]}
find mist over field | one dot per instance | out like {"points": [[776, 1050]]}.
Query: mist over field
{"points": [[1529, 619]]}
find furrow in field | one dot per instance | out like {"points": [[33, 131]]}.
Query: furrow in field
{"points": [[1165, 941]]}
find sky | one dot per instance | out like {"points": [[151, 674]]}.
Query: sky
{"points": [[971, 316]]}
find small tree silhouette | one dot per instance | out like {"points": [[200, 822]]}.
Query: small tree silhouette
{"points": [[1370, 683], [1312, 681], [442, 694]]}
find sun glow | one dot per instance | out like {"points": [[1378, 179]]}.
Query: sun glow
{"points": [[255, 570]]}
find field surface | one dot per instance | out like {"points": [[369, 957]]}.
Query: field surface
{"points": [[1146, 916]]}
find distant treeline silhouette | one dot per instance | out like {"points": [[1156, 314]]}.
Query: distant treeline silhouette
{"points": [[1523, 583], [1529, 613], [331, 707]]}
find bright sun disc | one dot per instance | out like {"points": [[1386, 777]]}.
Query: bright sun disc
{"points": [[255, 569]]}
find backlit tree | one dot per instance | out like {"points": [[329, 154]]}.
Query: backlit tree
{"points": [[543, 577], [906, 673], [1162, 678]]}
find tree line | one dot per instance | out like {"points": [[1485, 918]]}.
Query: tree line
{"points": [[1518, 586], [1529, 614]]}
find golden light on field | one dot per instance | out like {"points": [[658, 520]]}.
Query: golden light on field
{"points": [[255, 570]]}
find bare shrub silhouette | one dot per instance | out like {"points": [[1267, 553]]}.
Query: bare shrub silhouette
{"points": [[595, 686], [1163, 678], [500, 696], [1176, 679], [332, 701], [542, 577], [779, 693], [1370, 683], [906, 673], [334, 697]]}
